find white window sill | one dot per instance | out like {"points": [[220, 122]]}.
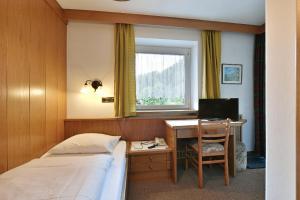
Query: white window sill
{"points": [[167, 113]]}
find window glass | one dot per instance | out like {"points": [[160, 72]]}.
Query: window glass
{"points": [[160, 80]]}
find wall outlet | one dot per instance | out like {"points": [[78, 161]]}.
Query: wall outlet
{"points": [[108, 99]]}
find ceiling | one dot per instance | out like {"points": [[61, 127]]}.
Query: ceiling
{"points": [[235, 11]]}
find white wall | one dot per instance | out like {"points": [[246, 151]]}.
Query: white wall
{"points": [[238, 48], [281, 99], [91, 55]]}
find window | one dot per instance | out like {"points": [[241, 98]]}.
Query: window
{"points": [[163, 77]]}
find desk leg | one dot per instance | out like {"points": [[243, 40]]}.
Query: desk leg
{"points": [[172, 142], [231, 148]]}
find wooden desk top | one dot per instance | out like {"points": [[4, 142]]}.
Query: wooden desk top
{"points": [[193, 123]]}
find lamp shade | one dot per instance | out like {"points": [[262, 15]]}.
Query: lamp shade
{"points": [[91, 87], [86, 89]]}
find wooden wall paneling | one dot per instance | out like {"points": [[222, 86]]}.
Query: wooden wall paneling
{"points": [[51, 79], [142, 129], [64, 80], [32, 63], [37, 78], [61, 80], [129, 128], [110, 17], [3, 60], [18, 38], [56, 9], [106, 126]]}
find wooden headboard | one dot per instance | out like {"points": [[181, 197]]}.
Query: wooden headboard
{"points": [[129, 128]]}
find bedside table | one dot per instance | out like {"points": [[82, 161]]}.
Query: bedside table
{"points": [[149, 164]]}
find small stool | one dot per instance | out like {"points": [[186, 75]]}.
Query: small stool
{"points": [[241, 156]]}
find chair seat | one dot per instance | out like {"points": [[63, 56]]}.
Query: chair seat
{"points": [[209, 147]]}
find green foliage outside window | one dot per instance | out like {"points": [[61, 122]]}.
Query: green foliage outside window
{"points": [[150, 101]]}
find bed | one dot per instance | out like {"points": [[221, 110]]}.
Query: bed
{"points": [[100, 176], [115, 187]]}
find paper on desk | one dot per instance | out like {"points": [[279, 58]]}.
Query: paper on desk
{"points": [[143, 146]]}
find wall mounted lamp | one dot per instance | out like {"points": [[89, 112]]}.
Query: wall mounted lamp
{"points": [[93, 85]]}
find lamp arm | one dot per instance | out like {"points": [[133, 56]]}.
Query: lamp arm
{"points": [[88, 82]]}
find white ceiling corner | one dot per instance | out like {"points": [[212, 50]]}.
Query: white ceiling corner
{"points": [[235, 11]]}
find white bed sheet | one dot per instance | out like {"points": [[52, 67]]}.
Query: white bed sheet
{"points": [[113, 186], [63, 178], [114, 181]]}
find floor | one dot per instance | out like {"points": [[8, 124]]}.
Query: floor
{"points": [[247, 185]]}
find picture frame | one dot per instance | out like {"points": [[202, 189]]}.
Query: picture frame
{"points": [[232, 73]]}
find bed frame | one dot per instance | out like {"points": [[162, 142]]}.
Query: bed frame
{"points": [[124, 195]]}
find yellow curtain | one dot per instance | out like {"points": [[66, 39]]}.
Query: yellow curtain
{"points": [[125, 91], [211, 57]]}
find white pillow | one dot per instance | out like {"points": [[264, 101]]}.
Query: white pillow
{"points": [[86, 143]]}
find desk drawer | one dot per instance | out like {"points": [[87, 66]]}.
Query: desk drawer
{"points": [[187, 133], [150, 158], [150, 166]]}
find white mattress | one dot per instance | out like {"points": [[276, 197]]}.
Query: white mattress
{"points": [[77, 176], [64, 178], [114, 180], [113, 185]]}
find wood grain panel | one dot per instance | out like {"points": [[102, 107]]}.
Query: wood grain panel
{"points": [[32, 48], [109, 17], [129, 128], [149, 158], [62, 77], [106, 126], [37, 78], [18, 82], [51, 80], [56, 9], [3, 60], [187, 133], [172, 142], [152, 175], [142, 129]]}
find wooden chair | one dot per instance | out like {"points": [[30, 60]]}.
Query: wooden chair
{"points": [[211, 147]]}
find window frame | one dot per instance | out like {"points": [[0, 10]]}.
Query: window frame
{"points": [[167, 50]]}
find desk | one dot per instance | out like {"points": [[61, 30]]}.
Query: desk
{"points": [[177, 129]]}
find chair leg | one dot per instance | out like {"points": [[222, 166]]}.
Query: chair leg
{"points": [[200, 173], [226, 172]]}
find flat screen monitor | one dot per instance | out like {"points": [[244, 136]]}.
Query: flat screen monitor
{"points": [[217, 109]]}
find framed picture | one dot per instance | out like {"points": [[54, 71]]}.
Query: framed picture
{"points": [[232, 73]]}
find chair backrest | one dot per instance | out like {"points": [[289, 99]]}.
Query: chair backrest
{"points": [[214, 132]]}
